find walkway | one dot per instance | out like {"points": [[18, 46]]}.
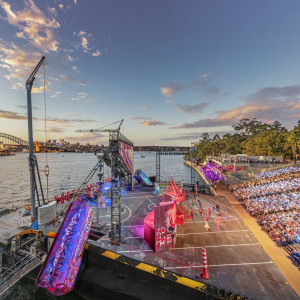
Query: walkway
{"points": [[276, 253]]}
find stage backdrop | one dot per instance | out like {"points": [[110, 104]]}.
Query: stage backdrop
{"points": [[126, 152]]}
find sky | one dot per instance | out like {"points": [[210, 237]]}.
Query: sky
{"points": [[171, 69]]}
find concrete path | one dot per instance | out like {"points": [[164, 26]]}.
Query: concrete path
{"points": [[276, 253]]}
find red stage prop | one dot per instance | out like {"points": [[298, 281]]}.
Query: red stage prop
{"points": [[149, 231], [160, 224]]}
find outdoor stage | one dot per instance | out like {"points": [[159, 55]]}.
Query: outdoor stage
{"points": [[236, 260]]}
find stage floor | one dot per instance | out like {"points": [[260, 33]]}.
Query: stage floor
{"points": [[236, 260]]}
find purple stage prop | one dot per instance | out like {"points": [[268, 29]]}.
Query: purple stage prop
{"points": [[60, 269]]}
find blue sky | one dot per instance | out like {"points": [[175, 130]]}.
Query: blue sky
{"points": [[172, 69]]}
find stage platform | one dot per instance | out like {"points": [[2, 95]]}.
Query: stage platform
{"points": [[236, 260]]}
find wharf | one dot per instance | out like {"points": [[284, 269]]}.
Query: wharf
{"points": [[11, 224]]}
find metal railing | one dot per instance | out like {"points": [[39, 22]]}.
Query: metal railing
{"points": [[17, 271]]}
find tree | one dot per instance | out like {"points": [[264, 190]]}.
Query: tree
{"points": [[293, 143]]}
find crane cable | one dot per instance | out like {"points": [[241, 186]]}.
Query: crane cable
{"points": [[46, 167]]}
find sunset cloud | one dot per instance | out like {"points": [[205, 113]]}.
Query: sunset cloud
{"points": [[193, 136], [266, 104], [16, 61], [171, 89], [139, 118], [11, 115], [191, 109], [72, 79], [96, 53], [90, 137], [33, 24], [152, 123]]}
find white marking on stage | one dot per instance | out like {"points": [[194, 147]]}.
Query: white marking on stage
{"points": [[223, 219], [133, 237], [224, 265], [128, 198], [213, 200], [242, 230], [216, 246], [129, 213], [150, 201], [135, 251]]}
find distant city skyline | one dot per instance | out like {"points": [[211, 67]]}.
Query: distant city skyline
{"points": [[172, 69]]}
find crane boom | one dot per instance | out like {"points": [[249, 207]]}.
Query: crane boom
{"points": [[31, 77], [29, 84]]}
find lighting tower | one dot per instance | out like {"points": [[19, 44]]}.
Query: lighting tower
{"points": [[113, 160]]}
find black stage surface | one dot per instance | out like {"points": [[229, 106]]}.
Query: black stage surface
{"points": [[236, 260]]}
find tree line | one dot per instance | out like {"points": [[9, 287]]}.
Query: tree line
{"points": [[251, 137]]}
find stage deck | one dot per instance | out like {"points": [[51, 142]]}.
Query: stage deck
{"points": [[236, 260]]}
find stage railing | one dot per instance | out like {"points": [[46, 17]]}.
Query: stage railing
{"points": [[150, 258]]}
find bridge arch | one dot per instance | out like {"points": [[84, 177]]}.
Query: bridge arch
{"points": [[8, 139]]}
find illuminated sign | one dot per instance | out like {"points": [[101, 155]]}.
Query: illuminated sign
{"points": [[126, 152]]}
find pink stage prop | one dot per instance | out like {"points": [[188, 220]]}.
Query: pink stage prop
{"points": [[60, 269]]}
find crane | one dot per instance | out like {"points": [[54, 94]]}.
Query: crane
{"points": [[117, 130], [112, 158], [29, 84]]}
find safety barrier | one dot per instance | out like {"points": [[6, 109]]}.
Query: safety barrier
{"points": [[149, 257], [161, 266]]}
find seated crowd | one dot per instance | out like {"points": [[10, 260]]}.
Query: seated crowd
{"points": [[274, 199]]}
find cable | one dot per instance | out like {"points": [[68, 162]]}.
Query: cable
{"points": [[110, 124]]}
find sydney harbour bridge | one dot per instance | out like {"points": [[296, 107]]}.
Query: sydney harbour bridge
{"points": [[13, 143]]}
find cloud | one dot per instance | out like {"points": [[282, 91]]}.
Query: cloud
{"points": [[68, 121], [193, 135], [205, 123], [152, 123], [69, 58], [25, 107], [266, 104], [17, 62], [191, 109], [96, 53], [72, 113], [145, 107], [33, 24], [171, 89], [56, 94], [139, 118], [11, 115], [72, 79], [52, 129], [169, 101], [80, 96], [91, 137], [275, 93]]}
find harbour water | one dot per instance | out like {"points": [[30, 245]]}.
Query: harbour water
{"points": [[67, 171]]}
